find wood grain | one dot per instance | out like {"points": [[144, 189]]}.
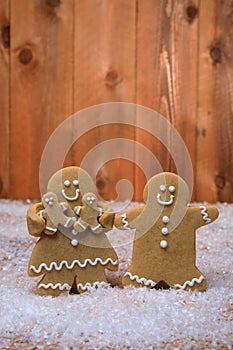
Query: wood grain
{"points": [[41, 84], [4, 97], [215, 127], [104, 72], [167, 42]]}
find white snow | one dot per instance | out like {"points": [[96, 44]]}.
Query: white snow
{"points": [[113, 317]]}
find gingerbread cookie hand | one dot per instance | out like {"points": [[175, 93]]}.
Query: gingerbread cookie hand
{"points": [[35, 223]]}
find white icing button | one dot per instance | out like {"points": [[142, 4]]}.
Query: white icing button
{"points": [[163, 244], [46, 200], [74, 232], [165, 219], [74, 242], [164, 230], [172, 189], [162, 188], [50, 203], [67, 183]]}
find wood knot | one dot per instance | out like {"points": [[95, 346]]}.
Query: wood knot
{"points": [[216, 54], [25, 56], [112, 78], [191, 13], [220, 181], [6, 35], [53, 3]]}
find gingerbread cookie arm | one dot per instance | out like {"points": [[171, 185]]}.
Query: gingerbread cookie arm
{"points": [[203, 215], [106, 220], [125, 220], [35, 223]]}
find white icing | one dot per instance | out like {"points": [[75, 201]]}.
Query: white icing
{"points": [[163, 244], [74, 232], [75, 182], [160, 201], [70, 198], [88, 285], [51, 229], [63, 205], [67, 183], [171, 189], [96, 228], [124, 221], [162, 188], [82, 225], [205, 215], [78, 210], [164, 230], [165, 219], [55, 286], [74, 242], [152, 283], [66, 286], [190, 283], [100, 211], [67, 223], [57, 267], [140, 280]]}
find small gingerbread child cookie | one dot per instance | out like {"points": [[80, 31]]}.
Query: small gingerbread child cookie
{"points": [[164, 252], [54, 214], [66, 259], [89, 214]]}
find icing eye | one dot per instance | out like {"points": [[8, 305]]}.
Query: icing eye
{"points": [[75, 182], [172, 189], [88, 198], [162, 188], [67, 183]]}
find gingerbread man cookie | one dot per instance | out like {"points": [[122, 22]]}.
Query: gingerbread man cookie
{"points": [[66, 259], [89, 214], [164, 252]]}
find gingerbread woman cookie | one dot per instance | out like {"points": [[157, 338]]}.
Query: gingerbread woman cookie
{"points": [[66, 259], [164, 252]]}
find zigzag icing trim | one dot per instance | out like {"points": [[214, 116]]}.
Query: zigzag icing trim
{"points": [[54, 265], [66, 286], [88, 285], [152, 283], [124, 221], [140, 280], [190, 283], [55, 286], [205, 214]]}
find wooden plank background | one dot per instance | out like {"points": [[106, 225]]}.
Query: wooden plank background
{"points": [[60, 56]]}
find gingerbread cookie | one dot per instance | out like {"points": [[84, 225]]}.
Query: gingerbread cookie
{"points": [[68, 260], [164, 252], [89, 214]]}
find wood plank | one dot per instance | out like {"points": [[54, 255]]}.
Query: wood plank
{"points": [[207, 135], [4, 97], [167, 34], [222, 54], [104, 72], [41, 84]]}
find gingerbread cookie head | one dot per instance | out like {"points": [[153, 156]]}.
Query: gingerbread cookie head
{"points": [[69, 184], [167, 193]]}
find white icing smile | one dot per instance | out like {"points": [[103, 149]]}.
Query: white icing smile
{"points": [[165, 202], [70, 198], [163, 189]]}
